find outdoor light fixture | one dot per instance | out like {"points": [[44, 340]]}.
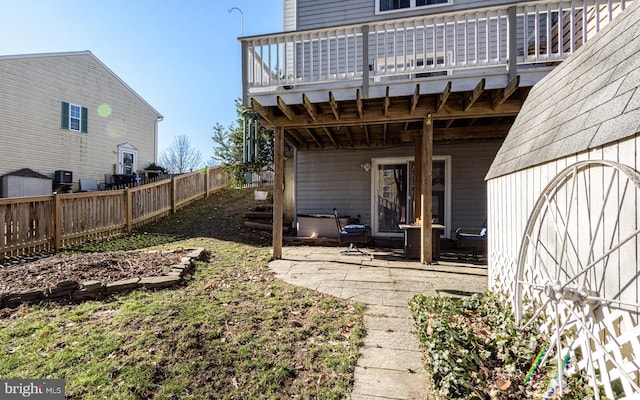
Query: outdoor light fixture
{"points": [[366, 166]]}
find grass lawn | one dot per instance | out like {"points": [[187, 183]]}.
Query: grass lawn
{"points": [[231, 331]]}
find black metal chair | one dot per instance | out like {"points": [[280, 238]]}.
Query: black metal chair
{"points": [[352, 234], [474, 238]]}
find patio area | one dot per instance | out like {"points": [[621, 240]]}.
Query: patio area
{"points": [[390, 364]]}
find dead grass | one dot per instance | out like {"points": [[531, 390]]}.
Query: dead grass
{"points": [[232, 331]]}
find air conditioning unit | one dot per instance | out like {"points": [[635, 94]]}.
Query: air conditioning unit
{"points": [[62, 176]]}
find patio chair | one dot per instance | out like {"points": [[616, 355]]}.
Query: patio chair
{"points": [[352, 234], [473, 238]]}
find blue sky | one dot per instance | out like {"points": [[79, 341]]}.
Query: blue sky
{"points": [[181, 56]]}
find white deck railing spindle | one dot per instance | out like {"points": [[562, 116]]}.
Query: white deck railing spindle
{"points": [[412, 47]]}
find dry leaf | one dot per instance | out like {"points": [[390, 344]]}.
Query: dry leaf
{"points": [[429, 327], [503, 384]]}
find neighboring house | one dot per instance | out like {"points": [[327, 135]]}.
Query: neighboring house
{"points": [[422, 89], [564, 207], [68, 112]]}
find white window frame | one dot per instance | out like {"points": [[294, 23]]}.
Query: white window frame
{"points": [[399, 160], [412, 7], [73, 118]]}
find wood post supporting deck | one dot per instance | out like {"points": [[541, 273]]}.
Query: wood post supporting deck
{"points": [[426, 161], [417, 173], [278, 191]]}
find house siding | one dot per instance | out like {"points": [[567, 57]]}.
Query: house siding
{"points": [[334, 178], [315, 14], [289, 22], [33, 89]]}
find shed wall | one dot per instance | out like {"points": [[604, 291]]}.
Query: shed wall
{"points": [[21, 186], [512, 198]]}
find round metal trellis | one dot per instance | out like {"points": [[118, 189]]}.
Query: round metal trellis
{"points": [[579, 276]]}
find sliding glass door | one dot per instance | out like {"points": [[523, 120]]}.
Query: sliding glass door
{"points": [[392, 196], [392, 193]]}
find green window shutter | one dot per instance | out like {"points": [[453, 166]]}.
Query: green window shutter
{"points": [[65, 115], [84, 119]]}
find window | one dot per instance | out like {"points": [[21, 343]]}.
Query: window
{"points": [[391, 5], [386, 5], [420, 3], [74, 117]]}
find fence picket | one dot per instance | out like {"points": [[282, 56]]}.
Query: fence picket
{"points": [[29, 225]]}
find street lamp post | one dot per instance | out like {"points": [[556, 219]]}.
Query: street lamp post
{"points": [[241, 19]]}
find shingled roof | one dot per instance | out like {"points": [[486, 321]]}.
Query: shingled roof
{"points": [[590, 100], [27, 173]]}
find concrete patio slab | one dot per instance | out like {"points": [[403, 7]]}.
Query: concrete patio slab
{"points": [[390, 366]]}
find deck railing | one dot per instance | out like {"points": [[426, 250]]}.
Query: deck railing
{"points": [[536, 32], [30, 225]]}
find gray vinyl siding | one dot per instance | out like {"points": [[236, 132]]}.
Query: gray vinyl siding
{"points": [[469, 163], [313, 14], [328, 179], [334, 178], [289, 15], [33, 89]]}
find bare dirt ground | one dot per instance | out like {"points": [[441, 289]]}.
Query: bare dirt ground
{"points": [[105, 267]]}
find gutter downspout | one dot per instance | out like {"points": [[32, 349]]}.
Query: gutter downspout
{"points": [[155, 139]]}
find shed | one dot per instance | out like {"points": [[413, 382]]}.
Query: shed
{"points": [[25, 182], [564, 209]]}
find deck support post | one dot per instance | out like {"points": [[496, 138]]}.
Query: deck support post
{"points": [[512, 45], [365, 61], [278, 191], [426, 161], [417, 173], [245, 73]]}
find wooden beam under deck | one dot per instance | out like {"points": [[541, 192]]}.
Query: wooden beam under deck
{"points": [[330, 135], [475, 95], [293, 138], [313, 136], [443, 97], [334, 106], [286, 110], [414, 100], [264, 113], [349, 135], [501, 96], [366, 133], [480, 109], [311, 109], [481, 114]]}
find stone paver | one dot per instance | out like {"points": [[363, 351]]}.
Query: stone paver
{"points": [[390, 364]]}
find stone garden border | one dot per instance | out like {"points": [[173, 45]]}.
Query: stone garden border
{"points": [[93, 289]]}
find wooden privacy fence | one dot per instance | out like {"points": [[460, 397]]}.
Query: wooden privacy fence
{"points": [[29, 225]]}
